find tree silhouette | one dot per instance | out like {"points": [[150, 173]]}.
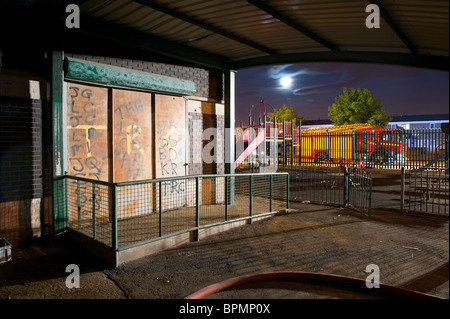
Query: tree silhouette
{"points": [[358, 106]]}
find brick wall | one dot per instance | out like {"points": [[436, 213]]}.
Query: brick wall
{"points": [[20, 149], [21, 168]]}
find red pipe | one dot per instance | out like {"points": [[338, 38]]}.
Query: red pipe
{"points": [[308, 276]]}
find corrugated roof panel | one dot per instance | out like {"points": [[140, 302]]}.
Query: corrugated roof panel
{"points": [[248, 31], [341, 23], [218, 44], [142, 18], [154, 22], [241, 17], [424, 23], [109, 7]]}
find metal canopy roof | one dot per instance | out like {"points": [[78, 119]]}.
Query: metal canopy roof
{"points": [[237, 34], [243, 33]]}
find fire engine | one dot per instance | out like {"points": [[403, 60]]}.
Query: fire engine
{"points": [[357, 142]]}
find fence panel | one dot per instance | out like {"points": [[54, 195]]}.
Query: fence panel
{"points": [[426, 191], [317, 185], [87, 206], [122, 215], [374, 148], [332, 186], [360, 190]]}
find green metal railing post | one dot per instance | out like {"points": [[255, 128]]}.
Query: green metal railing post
{"points": [[226, 198], [114, 242], [94, 218], [370, 195], [287, 192], [251, 199], [271, 182], [292, 143], [402, 191], [66, 204], [197, 208], [300, 144], [79, 205], [160, 207], [284, 142], [346, 176]]}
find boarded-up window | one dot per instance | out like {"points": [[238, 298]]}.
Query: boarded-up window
{"points": [[132, 135], [87, 132], [170, 130], [170, 119]]}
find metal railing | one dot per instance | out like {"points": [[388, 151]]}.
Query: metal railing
{"points": [[123, 215], [425, 191], [332, 186], [390, 148]]}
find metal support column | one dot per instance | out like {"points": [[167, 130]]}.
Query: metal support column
{"points": [[229, 97], [58, 214]]}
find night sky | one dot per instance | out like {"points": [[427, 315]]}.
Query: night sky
{"points": [[402, 90]]}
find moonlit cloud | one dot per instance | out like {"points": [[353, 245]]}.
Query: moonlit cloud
{"points": [[277, 72]]}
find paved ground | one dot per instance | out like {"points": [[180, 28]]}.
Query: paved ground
{"points": [[411, 252]]}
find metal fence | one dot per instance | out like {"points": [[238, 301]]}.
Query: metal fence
{"points": [[332, 186], [123, 215], [425, 191], [372, 148]]}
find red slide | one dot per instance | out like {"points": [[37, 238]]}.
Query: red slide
{"points": [[250, 148]]}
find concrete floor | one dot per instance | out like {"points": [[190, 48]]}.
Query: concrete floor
{"points": [[411, 252]]}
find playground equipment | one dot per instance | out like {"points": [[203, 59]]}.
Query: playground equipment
{"points": [[254, 139], [356, 145]]}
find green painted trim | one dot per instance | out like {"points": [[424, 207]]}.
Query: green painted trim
{"points": [[112, 75], [57, 103], [58, 217]]}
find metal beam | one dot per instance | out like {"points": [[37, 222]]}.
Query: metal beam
{"points": [[204, 25], [143, 42], [394, 26], [89, 4], [285, 19], [407, 59]]}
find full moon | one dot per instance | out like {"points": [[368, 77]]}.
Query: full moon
{"points": [[286, 81]]}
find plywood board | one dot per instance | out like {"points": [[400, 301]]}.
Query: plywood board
{"points": [[87, 134], [132, 135], [170, 121]]}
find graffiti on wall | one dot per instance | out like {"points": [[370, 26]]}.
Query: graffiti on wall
{"points": [[87, 146], [170, 148], [132, 150], [86, 150], [132, 137]]}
